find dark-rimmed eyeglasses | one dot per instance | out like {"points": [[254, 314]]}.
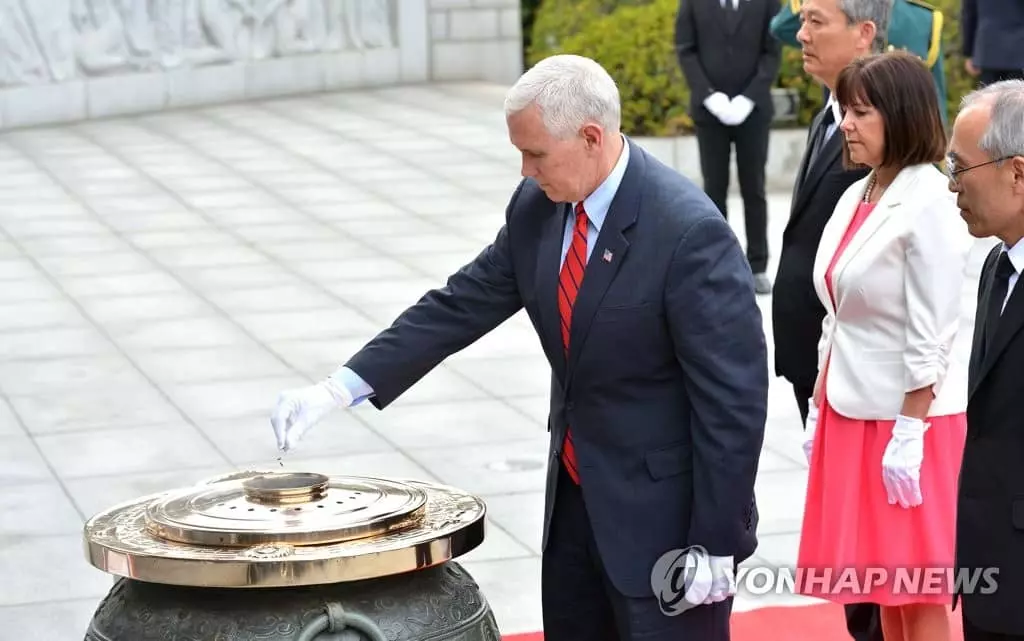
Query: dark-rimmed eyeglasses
{"points": [[954, 173]]}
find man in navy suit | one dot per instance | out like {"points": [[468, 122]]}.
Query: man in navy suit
{"points": [[992, 32], [645, 308]]}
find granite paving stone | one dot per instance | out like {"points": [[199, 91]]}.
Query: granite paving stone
{"points": [[164, 276]]}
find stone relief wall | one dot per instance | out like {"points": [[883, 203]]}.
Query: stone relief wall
{"points": [[54, 41]]}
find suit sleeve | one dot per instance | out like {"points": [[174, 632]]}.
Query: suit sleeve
{"points": [[475, 300], [936, 251], [686, 51], [720, 345], [768, 65], [986, 267], [968, 25]]}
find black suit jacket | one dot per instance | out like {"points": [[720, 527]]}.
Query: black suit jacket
{"points": [[729, 51], [990, 501], [796, 311], [666, 382]]}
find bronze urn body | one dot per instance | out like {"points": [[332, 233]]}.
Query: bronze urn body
{"points": [[276, 556]]}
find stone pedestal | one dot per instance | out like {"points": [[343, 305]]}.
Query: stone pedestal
{"points": [[67, 60]]}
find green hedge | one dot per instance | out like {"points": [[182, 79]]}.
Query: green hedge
{"points": [[634, 40], [958, 82]]}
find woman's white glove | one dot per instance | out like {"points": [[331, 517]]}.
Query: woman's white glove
{"points": [[901, 463], [809, 428]]}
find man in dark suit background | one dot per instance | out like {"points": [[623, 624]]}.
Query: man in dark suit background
{"points": [[992, 32], [832, 34], [659, 366], [730, 61], [986, 166]]}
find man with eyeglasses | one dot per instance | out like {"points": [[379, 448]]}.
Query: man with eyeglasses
{"points": [[986, 171]]}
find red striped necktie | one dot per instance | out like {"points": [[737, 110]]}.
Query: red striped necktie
{"points": [[569, 281]]}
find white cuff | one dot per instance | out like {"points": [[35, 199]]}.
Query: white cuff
{"points": [[699, 589], [907, 426], [922, 371], [339, 392]]}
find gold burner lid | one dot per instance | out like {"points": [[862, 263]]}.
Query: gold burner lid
{"points": [[287, 507], [280, 529]]}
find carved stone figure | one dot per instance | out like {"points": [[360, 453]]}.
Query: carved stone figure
{"points": [[139, 33], [54, 36], [100, 40], [373, 22], [44, 41], [21, 61]]}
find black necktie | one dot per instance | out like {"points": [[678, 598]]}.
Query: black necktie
{"points": [[819, 138], [1004, 268]]}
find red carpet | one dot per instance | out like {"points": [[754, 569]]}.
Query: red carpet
{"points": [[818, 622]]}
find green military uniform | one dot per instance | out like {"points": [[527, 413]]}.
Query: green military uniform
{"points": [[914, 26]]}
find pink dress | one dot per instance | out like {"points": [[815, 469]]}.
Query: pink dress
{"points": [[855, 546]]}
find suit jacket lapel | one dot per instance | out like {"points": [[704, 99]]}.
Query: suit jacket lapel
{"points": [[889, 203], [830, 154], [719, 12], [549, 264], [801, 174], [607, 255], [731, 16], [736, 16], [1011, 322], [978, 345], [834, 230]]}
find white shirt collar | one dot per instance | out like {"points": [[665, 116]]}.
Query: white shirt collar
{"points": [[599, 201], [1016, 255]]}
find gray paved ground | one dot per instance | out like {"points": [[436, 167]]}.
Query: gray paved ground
{"points": [[163, 277]]}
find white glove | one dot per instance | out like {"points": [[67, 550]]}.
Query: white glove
{"points": [[723, 579], [707, 579], [809, 428], [297, 410], [739, 109], [901, 463], [718, 104]]}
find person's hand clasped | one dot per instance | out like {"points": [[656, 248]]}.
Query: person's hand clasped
{"points": [[901, 463], [739, 110], [297, 410], [723, 579], [718, 104]]}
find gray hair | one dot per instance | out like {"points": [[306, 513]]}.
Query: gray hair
{"points": [[1004, 136], [569, 91], [876, 11]]}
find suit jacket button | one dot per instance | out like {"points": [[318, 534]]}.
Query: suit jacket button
{"points": [[570, 406]]}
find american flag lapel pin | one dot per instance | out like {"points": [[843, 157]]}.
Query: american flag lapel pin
{"points": [[607, 256]]}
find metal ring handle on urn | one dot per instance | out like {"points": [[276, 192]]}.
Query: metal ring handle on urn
{"points": [[337, 620]]}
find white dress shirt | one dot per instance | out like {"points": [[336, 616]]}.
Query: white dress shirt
{"points": [[597, 205]]}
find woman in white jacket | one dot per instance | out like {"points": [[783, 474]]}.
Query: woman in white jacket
{"points": [[887, 423]]}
